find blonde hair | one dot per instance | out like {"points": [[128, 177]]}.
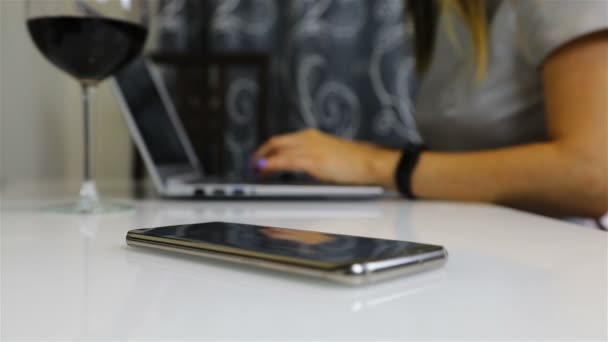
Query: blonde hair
{"points": [[425, 15]]}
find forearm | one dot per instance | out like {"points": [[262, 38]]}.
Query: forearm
{"points": [[538, 177]]}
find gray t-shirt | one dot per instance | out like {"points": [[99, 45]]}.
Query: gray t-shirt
{"points": [[455, 112]]}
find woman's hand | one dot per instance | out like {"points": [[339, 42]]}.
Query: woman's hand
{"points": [[328, 158]]}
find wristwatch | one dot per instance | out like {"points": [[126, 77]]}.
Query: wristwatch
{"points": [[405, 169]]}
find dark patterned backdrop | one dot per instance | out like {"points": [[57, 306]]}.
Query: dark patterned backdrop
{"points": [[343, 66]]}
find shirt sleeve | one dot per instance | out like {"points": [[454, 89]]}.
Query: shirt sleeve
{"points": [[546, 25]]}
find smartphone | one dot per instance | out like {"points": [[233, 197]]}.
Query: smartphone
{"points": [[347, 259]]}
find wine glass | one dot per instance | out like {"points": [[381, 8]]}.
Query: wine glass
{"points": [[90, 40]]}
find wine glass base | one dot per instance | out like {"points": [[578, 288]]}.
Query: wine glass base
{"points": [[99, 208]]}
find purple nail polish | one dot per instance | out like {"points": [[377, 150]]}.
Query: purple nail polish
{"points": [[261, 163]]}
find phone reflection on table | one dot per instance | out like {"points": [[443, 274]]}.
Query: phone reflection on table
{"points": [[222, 293]]}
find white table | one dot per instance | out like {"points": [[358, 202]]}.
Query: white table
{"points": [[511, 275]]}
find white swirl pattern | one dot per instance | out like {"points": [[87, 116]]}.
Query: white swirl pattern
{"points": [[226, 18], [331, 105], [241, 100], [343, 66], [315, 21]]}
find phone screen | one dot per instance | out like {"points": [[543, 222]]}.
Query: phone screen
{"points": [[313, 249]]}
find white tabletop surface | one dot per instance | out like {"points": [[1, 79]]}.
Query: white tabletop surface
{"points": [[511, 275]]}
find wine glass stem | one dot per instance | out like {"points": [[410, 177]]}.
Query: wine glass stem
{"points": [[88, 191], [87, 97]]}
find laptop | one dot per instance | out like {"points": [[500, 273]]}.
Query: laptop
{"points": [[171, 161]]}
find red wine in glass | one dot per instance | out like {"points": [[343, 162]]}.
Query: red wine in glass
{"points": [[89, 40], [88, 48]]}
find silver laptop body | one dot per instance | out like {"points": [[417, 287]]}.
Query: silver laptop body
{"points": [[169, 156]]}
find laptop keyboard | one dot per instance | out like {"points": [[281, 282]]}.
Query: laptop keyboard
{"points": [[285, 178]]}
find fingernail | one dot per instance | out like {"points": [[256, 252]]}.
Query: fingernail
{"points": [[261, 163]]}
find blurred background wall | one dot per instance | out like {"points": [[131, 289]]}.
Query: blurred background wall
{"points": [[343, 66]]}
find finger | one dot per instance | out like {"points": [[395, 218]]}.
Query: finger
{"points": [[274, 144], [288, 162], [278, 142], [288, 152]]}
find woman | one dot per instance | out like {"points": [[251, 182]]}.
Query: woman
{"points": [[512, 108]]}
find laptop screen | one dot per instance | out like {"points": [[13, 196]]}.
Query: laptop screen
{"points": [[157, 130]]}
